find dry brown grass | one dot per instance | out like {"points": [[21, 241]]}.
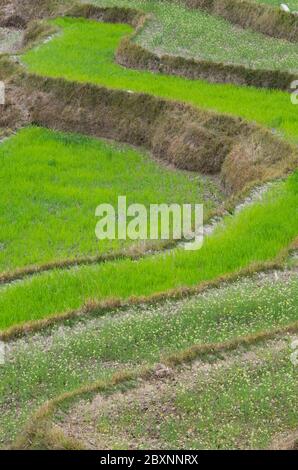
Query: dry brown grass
{"points": [[187, 137], [130, 54], [201, 350]]}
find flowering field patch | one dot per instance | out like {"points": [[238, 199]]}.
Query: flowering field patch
{"points": [[81, 352], [147, 346]]}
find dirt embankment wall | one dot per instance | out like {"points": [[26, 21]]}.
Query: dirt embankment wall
{"points": [[177, 133], [130, 54], [133, 55], [18, 13], [180, 134]]}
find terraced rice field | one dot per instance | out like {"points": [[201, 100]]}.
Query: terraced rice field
{"points": [[176, 30], [257, 234], [131, 344], [67, 177], [92, 60], [95, 348]]}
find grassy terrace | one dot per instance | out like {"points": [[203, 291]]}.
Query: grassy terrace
{"points": [[45, 366], [177, 30], [51, 183], [59, 180], [85, 52], [240, 405], [256, 234]]}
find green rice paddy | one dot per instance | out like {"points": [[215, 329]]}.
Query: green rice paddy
{"points": [[93, 349], [53, 182], [257, 234], [84, 52], [175, 29]]}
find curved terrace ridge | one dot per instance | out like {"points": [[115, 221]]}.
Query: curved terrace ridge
{"points": [[185, 135], [136, 323]]}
